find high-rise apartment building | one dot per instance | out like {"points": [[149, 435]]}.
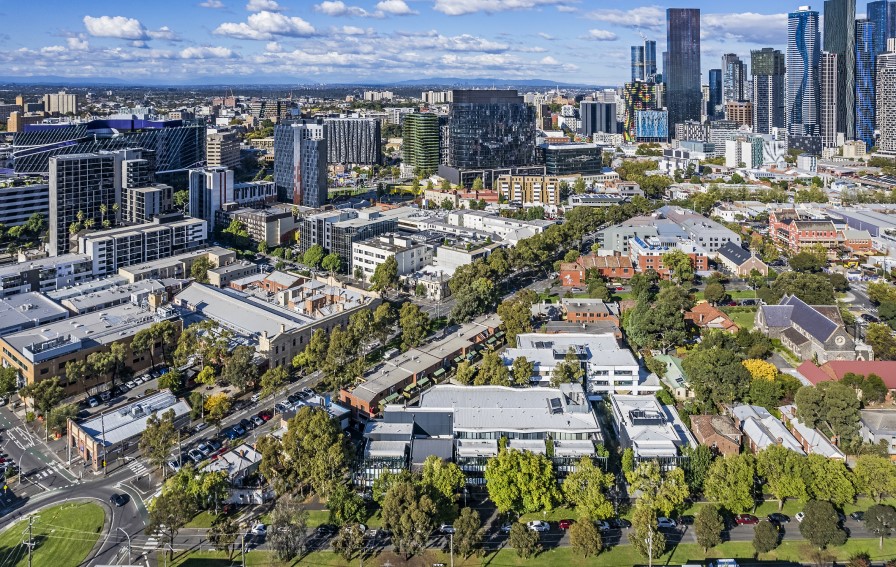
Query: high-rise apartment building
{"points": [[636, 97], [829, 97], [714, 105], [803, 55], [886, 99], [300, 163], [210, 188], [866, 70], [420, 146], [490, 129], [883, 14], [61, 103], [840, 38], [82, 193], [768, 70], [682, 71], [649, 60], [637, 63], [597, 117], [740, 111], [222, 149], [356, 141], [733, 76]]}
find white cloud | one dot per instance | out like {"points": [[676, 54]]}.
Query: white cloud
{"points": [[601, 35], [115, 26], [163, 32], [549, 61], [273, 47], [265, 26], [567, 9], [548, 37], [461, 7], [747, 27], [395, 8], [78, 43], [206, 52], [352, 30], [339, 8], [215, 4], [263, 6], [652, 17]]}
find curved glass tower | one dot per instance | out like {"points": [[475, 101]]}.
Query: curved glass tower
{"points": [[803, 55]]}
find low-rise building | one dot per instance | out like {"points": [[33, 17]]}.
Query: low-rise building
{"points": [[410, 254], [706, 316], [28, 310], [797, 232], [222, 276], [717, 432], [647, 254], [529, 190], [616, 266], [652, 430], [176, 267], [271, 226], [590, 311], [145, 293], [812, 441], [238, 464], [112, 434], [762, 430], [46, 274], [740, 262], [879, 427], [837, 369]]}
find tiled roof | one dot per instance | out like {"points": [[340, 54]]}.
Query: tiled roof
{"points": [[777, 315], [810, 319], [705, 315]]}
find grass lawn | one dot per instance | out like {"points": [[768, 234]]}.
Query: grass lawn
{"points": [[203, 519], [743, 317], [618, 556], [64, 535]]}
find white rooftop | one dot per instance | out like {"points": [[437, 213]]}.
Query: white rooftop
{"points": [[127, 422]]}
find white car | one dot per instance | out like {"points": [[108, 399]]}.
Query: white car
{"points": [[664, 522], [799, 516], [130, 384], [255, 397], [538, 526], [259, 529]]}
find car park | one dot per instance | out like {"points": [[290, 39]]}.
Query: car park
{"points": [[538, 526], [746, 520], [665, 522]]}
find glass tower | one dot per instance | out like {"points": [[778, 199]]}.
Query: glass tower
{"points": [[866, 61], [489, 129], [420, 149], [768, 70], [879, 13], [733, 75], [830, 91], [637, 63], [682, 71], [715, 92], [803, 54], [649, 60], [840, 38]]}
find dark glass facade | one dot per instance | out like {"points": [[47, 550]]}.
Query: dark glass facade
{"points": [[715, 93], [803, 58], [584, 159], [682, 73], [768, 69], [420, 149], [598, 117], [649, 60], [879, 14], [637, 63], [490, 129], [840, 38], [866, 63]]}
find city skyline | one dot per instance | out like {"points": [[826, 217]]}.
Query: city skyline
{"points": [[366, 41]]}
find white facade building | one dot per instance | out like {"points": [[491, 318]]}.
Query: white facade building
{"points": [[409, 254]]}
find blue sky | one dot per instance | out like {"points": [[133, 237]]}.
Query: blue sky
{"points": [[581, 41]]}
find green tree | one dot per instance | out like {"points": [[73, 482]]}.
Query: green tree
{"points": [[522, 371], [45, 395], [9, 376], [345, 505], [315, 352], [874, 476], [273, 381], [331, 263], [880, 519], [342, 365], [222, 535], [467, 534], [833, 405], [199, 269], [569, 371], [679, 265], [492, 371], [714, 293], [168, 514], [584, 537], [313, 256], [409, 512], [717, 375], [240, 369], [385, 275], [730, 482], [665, 492], [880, 337], [158, 438], [765, 537], [645, 536], [829, 479], [700, 459], [524, 540], [465, 374], [516, 314], [709, 525], [784, 472], [384, 318], [814, 289], [315, 450], [821, 524], [586, 489], [414, 325], [443, 478], [348, 540], [807, 262], [521, 481], [288, 530], [76, 372], [206, 376]]}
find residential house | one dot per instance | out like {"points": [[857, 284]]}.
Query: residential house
{"points": [[740, 262], [717, 432], [615, 267], [652, 430], [812, 441], [837, 369], [590, 311], [761, 429], [706, 316], [879, 426]]}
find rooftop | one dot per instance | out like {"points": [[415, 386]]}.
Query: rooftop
{"points": [[28, 309], [51, 262], [112, 427], [654, 429]]}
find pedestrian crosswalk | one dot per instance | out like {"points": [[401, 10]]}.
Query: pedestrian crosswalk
{"points": [[150, 544], [138, 467]]}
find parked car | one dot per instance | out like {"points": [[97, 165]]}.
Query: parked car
{"points": [[505, 527], [857, 515], [665, 522], [200, 426], [174, 465], [746, 520], [204, 449], [538, 526], [799, 516], [259, 529], [778, 518], [215, 444], [604, 526], [130, 384], [239, 429], [265, 415], [564, 524], [92, 402], [247, 424], [280, 407], [446, 529], [255, 397], [257, 420], [196, 455], [293, 398], [620, 523]]}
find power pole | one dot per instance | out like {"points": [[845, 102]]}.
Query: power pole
{"points": [[129, 544], [30, 538], [243, 551]]}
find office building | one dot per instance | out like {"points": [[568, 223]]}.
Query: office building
{"points": [[420, 146], [22, 197], [714, 104], [222, 149], [210, 188], [411, 255], [529, 190], [740, 112], [882, 13], [28, 310], [637, 63], [733, 77], [490, 129], [273, 226], [353, 141], [300, 163], [571, 159], [649, 60], [125, 246], [652, 126], [768, 72], [636, 97], [61, 103], [82, 193], [840, 38], [598, 117], [682, 71], [829, 94], [45, 275], [803, 55], [865, 76], [886, 99]]}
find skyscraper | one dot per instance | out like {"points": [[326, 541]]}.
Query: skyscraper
{"points": [[733, 75], [649, 60], [840, 38], [682, 72], [879, 12], [830, 91], [597, 117], [420, 148], [802, 104], [715, 93], [353, 140], [886, 99], [82, 190], [637, 63], [768, 70], [300, 163], [489, 129], [866, 62]]}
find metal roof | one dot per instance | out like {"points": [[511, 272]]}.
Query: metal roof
{"points": [[128, 422]]}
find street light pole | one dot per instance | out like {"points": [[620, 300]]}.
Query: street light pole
{"points": [[129, 543], [451, 540], [243, 550]]}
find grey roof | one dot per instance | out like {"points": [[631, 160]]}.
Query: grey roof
{"points": [[423, 448], [777, 315], [235, 461], [523, 410], [879, 420], [28, 310], [654, 437], [809, 318], [113, 295], [736, 254], [128, 422], [13, 269], [794, 336]]}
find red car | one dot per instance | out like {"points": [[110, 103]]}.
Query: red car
{"points": [[265, 415], [564, 524], [746, 519]]}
